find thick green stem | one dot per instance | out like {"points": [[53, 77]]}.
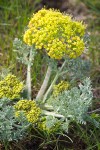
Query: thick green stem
{"points": [[53, 82], [45, 83]]}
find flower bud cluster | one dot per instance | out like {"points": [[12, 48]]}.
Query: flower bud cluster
{"points": [[10, 87], [56, 34], [29, 109], [62, 86]]}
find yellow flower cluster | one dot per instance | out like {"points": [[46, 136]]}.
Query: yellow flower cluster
{"points": [[62, 86], [29, 108], [42, 126], [56, 34], [10, 87]]}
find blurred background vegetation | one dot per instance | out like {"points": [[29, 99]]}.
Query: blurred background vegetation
{"points": [[14, 17]]}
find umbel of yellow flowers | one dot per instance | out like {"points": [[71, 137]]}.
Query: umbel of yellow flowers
{"points": [[60, 87], [10, 87], [29, 109], [56, 34]]}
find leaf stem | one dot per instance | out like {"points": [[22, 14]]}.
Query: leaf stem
{"points": [[93, 111], [53, 114]]}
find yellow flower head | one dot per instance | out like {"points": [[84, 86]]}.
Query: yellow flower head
{"points": [[62, 86], [56, 34], [10, 87], [29, 108], [42, 126]]}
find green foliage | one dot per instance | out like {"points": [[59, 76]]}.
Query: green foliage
{"points": [[11, 128], [94, 119], [77, 68], [94, 30], [94, 46], [88, 136], [49, 127], [94, 6], [14, 17], [73, 104], [23, 52]]}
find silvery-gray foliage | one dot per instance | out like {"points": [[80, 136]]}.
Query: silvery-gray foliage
{"points": [[94, 120], [77, 68], [11, 128], [50, 123], [73, 104], [23, 51]]}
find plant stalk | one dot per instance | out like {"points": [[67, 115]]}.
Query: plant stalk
{"points": [[94, 111], [28, 79], [45, 83], [53, 114], [53, 82]]}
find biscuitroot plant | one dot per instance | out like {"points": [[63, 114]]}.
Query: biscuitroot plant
{"points": [[61, 41]]}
